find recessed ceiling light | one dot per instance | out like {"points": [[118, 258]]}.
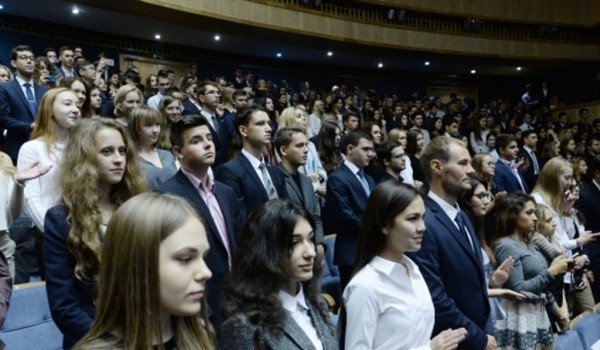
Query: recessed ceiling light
{"points": [[279, 54], [75, 11], [380, 65], [217, 37], [329, 53], [157, 36], [427, 63], [1, 7], [473, 71], [519, 68]]}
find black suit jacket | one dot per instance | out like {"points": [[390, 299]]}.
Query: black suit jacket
{"points": [[589, 205], [16, 116], [454, 274], [529, 174], [216, 260], [239, 175], [346, 201]]}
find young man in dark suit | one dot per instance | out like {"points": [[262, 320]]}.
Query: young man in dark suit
{"points": [[348, 189], [507, 176], [292, 146], [214, 201], [253, 181], [532, 159], [450, 258], [19, 101]]}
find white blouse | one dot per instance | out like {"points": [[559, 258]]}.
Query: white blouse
{"points": [[388, 309]]}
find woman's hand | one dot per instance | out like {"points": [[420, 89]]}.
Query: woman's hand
{"points": [[448, 339], [500, 275], [32, 172], [512, 295], [321, 191], [586, 238], [559, 265]]}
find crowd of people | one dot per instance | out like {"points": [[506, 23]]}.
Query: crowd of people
{"points": [[192, 214]]}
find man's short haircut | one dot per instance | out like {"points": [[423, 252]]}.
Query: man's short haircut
{"points": [[170, 71], [560, 114], [503, 140], [438, 148], [349, 114], [64, 48], [448, 120], [162, 74], [416, 113], [186, 122], [590, 140], [581, 110], [201, 87], [353, 138], [595, 165], [237, 93], [82, 64], [49, 49], [526, 133], [15, 51], [243, 116], [284, 137], [384, 151]]}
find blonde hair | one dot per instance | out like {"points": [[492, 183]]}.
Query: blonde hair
{"points": [[394, 134], [287, 119], [120, 95], [79, 181], [548, 183], [143, 116], [129, 279]]}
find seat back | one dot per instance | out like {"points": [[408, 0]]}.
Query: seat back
{"points": [[330, 243], [568, 341], [29, 324], [588, 329]]}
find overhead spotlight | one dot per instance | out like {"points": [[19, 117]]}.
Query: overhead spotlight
{"points": [[473, 71], [380, 65], [157, 36], [75, 11], [427, 63], [391, 14], [279, 54], [1, 7], [519, 68], [217, 37], [329, 53]]}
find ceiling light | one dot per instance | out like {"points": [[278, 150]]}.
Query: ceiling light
{"points": [[75, 11], [217, 37], [157, 37], [1, 7], [473, 71], [279, 54], [329, 53], [380, 65], [427, 63], [519, 68]]}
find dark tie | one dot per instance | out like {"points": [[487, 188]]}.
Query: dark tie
{"points": [[461, 226], [363, 182], [215, 123], [30, 98]]}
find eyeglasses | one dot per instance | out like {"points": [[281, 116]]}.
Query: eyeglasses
{"points": [[25, 57]]}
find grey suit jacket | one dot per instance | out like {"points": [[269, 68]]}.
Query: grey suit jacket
{"points": [[237, 332], [305, 196]]}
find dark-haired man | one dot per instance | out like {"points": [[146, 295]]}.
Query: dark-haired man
{"points": [[529, 154], [392, 159], [163, 84], [67, 61], [19, 101], [507, 176], [213, 200], [348, 189]]}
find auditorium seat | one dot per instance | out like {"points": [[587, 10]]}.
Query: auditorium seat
{"points": [[588, 329], [330, 283], [568, 341]]}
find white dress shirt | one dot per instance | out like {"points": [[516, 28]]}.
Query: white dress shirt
{"points": [[387, 308], [255, 165], [298, 310]]}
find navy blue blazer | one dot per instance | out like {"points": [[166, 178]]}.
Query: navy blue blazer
{"points": [[220, 138], [505, 179], [216, 259], [346, 200], [589, 205], [251, 193], [529, 174], [71, 301], [454, 274], [15, 115]]}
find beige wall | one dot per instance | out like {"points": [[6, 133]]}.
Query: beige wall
{"points": [[314, 24]]}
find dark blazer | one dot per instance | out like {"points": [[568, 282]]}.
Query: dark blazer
{"points": [[216, 259], [305, 196], [237, 332], [454, 274], [589, 205], [529, 176], [239, 175], [220, 138], [346, 201], [505, 179], [71, 301], [15, 116]]}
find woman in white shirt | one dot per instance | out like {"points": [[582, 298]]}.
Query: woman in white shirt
{"points": [[478, 137], [387, 303]]}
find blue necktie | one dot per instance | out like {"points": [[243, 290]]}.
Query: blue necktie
{"points": [[30, 99], [461, 226], [363, 182]]}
